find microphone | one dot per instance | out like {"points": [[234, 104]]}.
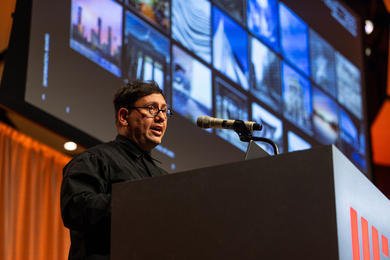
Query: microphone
{"points": [[211, 122]]}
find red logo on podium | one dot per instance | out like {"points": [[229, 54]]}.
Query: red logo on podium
{"points": [[365, 239]]}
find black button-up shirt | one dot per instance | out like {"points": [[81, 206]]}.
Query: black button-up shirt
{"points": [[86, 192]]}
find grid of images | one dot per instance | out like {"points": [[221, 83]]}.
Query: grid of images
{"points": [[253, 60]]}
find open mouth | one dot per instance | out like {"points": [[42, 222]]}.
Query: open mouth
{"points": [[157, 129]]}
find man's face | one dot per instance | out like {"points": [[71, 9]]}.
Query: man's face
{"points": [[144, 129]]}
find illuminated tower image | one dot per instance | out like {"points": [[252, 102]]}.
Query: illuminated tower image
{"points": [[79, 16], [99, 30], [79, 26], [109, 41]]}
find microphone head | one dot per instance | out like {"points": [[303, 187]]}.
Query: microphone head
{"points": [[203, 122]]}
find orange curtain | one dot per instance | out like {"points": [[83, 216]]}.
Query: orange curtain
{"points": [[30, 181]]}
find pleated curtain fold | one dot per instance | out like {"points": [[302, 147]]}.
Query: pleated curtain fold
{"points": [[30, 181]]}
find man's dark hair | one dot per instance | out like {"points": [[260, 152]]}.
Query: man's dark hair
{"points": [[130, 92]]}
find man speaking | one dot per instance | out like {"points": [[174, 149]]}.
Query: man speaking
{"points": [[141, 116]]}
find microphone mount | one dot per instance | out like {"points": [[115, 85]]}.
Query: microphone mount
{"points": [[246, 135]]}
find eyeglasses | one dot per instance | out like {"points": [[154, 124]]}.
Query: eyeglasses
{"points": [[153, 110]]}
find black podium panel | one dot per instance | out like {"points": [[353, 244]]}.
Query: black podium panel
{"points": [[279, 207]]}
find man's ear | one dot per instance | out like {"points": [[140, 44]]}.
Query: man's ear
{"points": [[123, 115]]}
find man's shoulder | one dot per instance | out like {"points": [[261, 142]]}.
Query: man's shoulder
{"points": [[104, 147], [101, 151]]}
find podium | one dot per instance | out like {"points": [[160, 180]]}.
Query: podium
{"points": [[312, 204]]}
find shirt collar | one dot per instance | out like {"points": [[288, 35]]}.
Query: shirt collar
{"points": [[130, 146]]}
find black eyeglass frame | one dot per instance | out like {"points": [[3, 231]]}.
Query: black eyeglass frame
{"points": [[166, 112]]}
